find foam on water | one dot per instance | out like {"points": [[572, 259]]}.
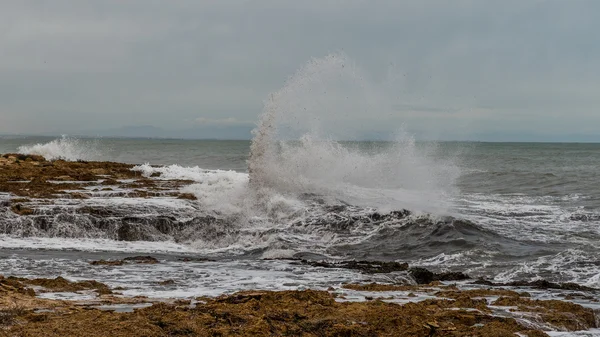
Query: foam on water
{"points": [[97, 245], [217, 190], [540, 218], [66, 148]]}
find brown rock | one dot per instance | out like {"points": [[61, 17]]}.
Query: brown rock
{"points": [[107, 263], [188, 196]]}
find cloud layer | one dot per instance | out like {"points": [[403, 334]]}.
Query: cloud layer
{"points": [[460, 69]]}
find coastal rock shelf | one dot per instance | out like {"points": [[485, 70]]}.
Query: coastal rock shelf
{"points": [[435, 310], [94, 200], [271, 287]]}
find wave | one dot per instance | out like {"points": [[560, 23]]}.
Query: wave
{"points": [[318, 228], [297, 145], [65, 148], [217, 191]]}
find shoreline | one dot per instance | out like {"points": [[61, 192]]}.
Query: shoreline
{"points": [[434, 309], [418, 302]]}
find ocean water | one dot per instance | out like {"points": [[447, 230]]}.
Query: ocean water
{"points": [[301, 190], [515, 211]]}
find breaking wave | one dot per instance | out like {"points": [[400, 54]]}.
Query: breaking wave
{"points": [[65, 148], [299, 147]]}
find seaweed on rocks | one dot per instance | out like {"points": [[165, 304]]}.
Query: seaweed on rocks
{"points": [[291, 313], [62, 284]]}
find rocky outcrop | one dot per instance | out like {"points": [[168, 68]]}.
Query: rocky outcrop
{"points": [[298, 313]]}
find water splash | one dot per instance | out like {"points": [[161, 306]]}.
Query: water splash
{"points": [[300, 145], [65, 148]]}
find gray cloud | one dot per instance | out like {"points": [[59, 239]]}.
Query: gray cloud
{"points": [[448, 69]]}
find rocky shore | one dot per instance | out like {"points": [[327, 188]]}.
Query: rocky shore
{"points": [[32, 176], [416, 303], [448, 312]]}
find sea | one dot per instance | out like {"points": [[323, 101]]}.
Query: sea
{"points": [[501, 211], [307, 186]]}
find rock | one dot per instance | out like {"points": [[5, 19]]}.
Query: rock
{"points": [[62, 284], [141, 259], [378, 287], [110, 181], [421, 275], [539, 284], [21, 210], [107, 263], [79, 195], [166, 282], [294, 313], [187, 196], [424, 276], [133, 259], [452, 276], [195, 259], [132, 232]]}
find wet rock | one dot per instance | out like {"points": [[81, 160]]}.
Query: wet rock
{"points": [[132, 230], [454, 294], [110, 181], [11, 284], [195, 259], [24, 157], [452, 276], [37, 180], [107, 263], [424, 276], [378, 287], [538, 284], [62, 284], [78, 195], [296, 313], [560, 314], [132, 259], [141, 259], [187, 196], [21, 210]]}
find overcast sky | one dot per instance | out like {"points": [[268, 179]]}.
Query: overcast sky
{"points": [[522, 69]]}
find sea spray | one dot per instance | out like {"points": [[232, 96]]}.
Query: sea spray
{"points": [[311, 187], [299, 148], [65, 148]]}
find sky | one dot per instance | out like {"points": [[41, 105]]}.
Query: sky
{"points": [[479, 70]]}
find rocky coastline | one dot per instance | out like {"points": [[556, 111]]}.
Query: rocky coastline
{"points": [[423, 303], [447, 310]]}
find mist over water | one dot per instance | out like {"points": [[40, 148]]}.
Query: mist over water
{"points": [[298, 145]]}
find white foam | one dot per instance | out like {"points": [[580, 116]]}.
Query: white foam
{"points": [[99, 245], [313, 108], [538, 218], [216, 190], [66, 148], [587, 333]]}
